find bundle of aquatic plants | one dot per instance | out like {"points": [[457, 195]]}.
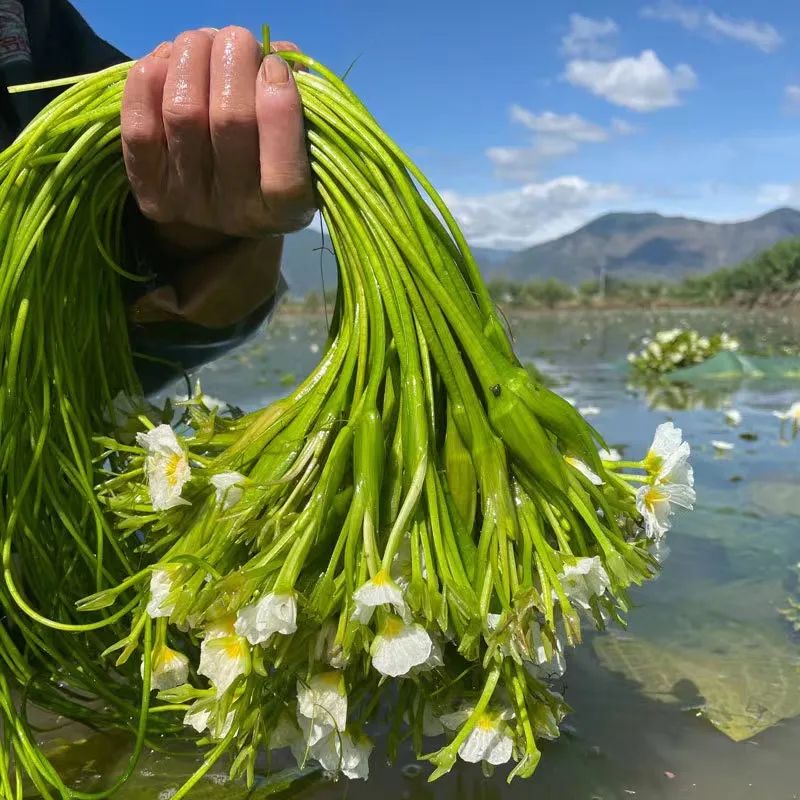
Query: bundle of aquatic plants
{"points": [[415, 534], [678, 347]]}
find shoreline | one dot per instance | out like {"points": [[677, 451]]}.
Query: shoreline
{"points": [[298, 309]]}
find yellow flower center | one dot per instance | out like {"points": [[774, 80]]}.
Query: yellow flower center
{"points": [[234, 647], [653, 496], [392, 627], [224, 625], [175, 462], [331, 679], [164, 658], [486, 722], [653, 462], [381, 578]]}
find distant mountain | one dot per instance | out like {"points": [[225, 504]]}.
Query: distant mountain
{"points": [[648, 246], [301, 262]]}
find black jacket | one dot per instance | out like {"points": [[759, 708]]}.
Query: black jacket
{"points": [[45, 39]]}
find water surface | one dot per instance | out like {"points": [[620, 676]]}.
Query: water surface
{"points": [[710, 620]]}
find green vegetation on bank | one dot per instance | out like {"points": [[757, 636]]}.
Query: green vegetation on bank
{"points": [[771, 278]]}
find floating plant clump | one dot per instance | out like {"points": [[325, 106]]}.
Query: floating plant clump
{"points": [[678, 347], [416, 533]]}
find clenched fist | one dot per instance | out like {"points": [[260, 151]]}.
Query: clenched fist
{"points": [[213, 139], [214, 147]]}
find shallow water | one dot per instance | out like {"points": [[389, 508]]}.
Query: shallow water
{"points": [[705, 639]]}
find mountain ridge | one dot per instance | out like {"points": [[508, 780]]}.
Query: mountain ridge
{"points": [[637, 246], [648, 246]]}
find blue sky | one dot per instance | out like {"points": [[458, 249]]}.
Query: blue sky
{"points": [[533, 117]]}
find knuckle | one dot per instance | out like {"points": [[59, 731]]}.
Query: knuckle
{"points": [[288, 190], [230, 119], [238, 35], [139, 131], [184, 115], [153, 210], [198, 35]]}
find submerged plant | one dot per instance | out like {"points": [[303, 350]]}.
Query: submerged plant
{"points": [[420, 520]]}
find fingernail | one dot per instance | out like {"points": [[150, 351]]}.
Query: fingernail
{"points": [[276, 70], [163, 50]]}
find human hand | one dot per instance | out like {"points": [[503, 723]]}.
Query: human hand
{"points": [[213, 140]]}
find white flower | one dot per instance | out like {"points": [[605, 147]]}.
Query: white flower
{"points": [[543, 667], [733, 417], [722, 447], [379, 590], [665, 337], [201, 716], [168, 669], [654, 503], [399, 647], [668, 458], [589, 411], [321, 706], [326, 647], [584, 579], [587, 473], [434, 660], [223, 658], [342, 752], [273, 613], [489, 740], [228, 487], [609, 455], [160, 586], [792, 413], [166, 466]]}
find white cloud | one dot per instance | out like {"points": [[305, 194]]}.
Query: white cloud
{"points": [[778, 194], [791, 98], [532, 213], [623, 128], [589, 38], [699, 19], [556, 135], [641, 83], [569, 126]]}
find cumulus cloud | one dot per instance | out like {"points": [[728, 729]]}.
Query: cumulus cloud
{"points": [[640, 83], [589, 38], [706, 22], [532, 213], [555, 135], [791, 98], [778, 194]]}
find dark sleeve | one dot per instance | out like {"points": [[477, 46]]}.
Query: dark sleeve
{"points": [[63, 44]]}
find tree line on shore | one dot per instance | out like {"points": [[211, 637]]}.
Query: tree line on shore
{"points": [[770, 278]]}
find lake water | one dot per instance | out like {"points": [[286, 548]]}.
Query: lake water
{"points": [[705, 640]]}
